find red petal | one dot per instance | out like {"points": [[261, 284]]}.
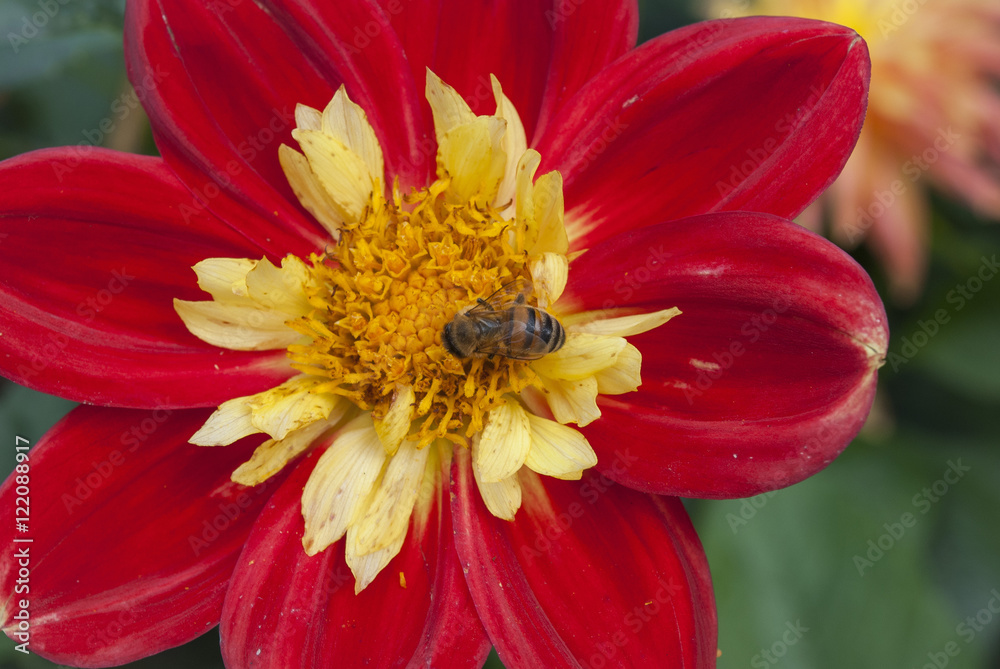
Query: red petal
{"points": [[763, 379], [95, 252], [588, 574], [221, 82], [757, 114], [134, 534], [542, 52], [287, 610]]}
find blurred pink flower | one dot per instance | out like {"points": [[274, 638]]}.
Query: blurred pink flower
{"points": [[933, 113]]}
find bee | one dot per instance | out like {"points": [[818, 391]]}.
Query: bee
{"points": [[504, 324]]}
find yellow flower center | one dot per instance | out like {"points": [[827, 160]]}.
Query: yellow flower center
{"points": [[383, 296]]}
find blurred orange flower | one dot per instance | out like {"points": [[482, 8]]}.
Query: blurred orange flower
{"points": [[934, 113]]}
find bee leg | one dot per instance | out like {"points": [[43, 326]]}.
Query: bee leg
{"points": [[483, 302]]}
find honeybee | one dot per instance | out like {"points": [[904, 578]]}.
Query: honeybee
{"points": [[504, 324]]}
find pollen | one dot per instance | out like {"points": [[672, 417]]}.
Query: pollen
{"points": [[382, 297]]}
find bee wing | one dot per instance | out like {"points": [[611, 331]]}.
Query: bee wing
{"points": [[509, 294]]}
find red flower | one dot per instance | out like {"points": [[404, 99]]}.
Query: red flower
{"points": [[141, 541]]}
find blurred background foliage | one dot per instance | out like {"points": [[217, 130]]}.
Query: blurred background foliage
{"points": [[797, 581]]}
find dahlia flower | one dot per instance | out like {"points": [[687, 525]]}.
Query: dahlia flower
{"points": [[293, 442], [934, 112]]}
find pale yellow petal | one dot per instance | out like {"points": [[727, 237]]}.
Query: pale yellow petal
{"points": [[593, 322], [448, 107], [271, 457], [348, 122], [308, 118], [504, 443], [515, 143], [229, 423], [281, 290], [341, 484], [393, 427], [572, 401], [290, 406], [524, 200], [623, 376], [548, 213], [549, 273], [502, 498], [558, 450], [472, 156], [366, 567], [341, 172], [305, 184], [388, 514], [241, 327], [219, 276], [582, 356]]}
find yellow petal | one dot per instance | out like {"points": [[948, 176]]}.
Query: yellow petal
{"points": [[240, 327], [341, 172], [572, 401], [448, 107], [219, 276], [291, 406], [393, 427], [305, 184], [271, 457], [366, 567], [504, 443], [582, 356], [229, 423], [524, 200], [558, 450], [548, 212], [472, 156], [549, 273], [282, 290], [623, 376], [502, 498], [593, 322], [347, 122], [341, 484], [388, 514], [308, 118], [514, 144]]}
